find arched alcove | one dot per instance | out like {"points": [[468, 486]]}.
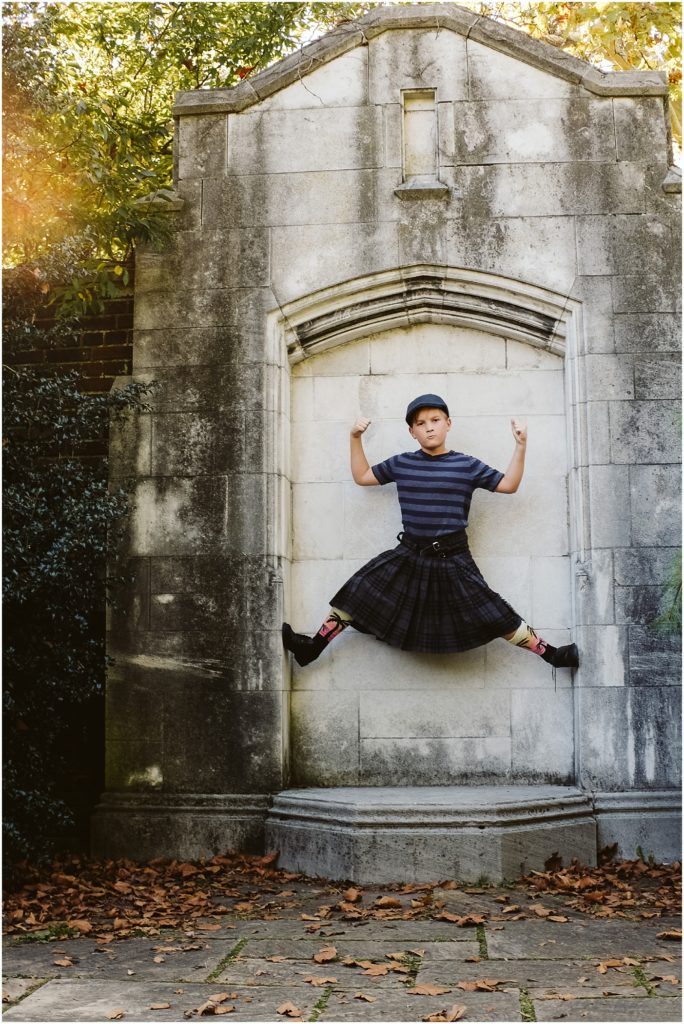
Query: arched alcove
{"points": [[366, 714]]}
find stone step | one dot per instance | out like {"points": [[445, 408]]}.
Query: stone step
{"points": [[427, 833]]}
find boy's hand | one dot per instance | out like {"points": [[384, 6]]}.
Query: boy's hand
{"points": [[360, 426], [519, 432]]}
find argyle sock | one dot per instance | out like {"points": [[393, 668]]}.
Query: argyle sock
{"points": [[526, 637]]}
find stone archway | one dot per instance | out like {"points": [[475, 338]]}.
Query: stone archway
{"points": [[483, 340]]}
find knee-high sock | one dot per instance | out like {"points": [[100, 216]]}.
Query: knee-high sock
{"points": [[333, 624], [526, 637]]}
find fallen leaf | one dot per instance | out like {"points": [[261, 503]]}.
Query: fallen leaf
{"points": [[117, 1014], [362, 995], [455, 1013], [130, 973], [472, 959], [208, 927], [314, 979], [557, 917], [673, 979], [308, 917], [325, 954], [63, 963], [675, 935], [351, 895], [82, 926], [565, 996], [387, 901], [428, 989], [511, 909], [159, 959], [289, 1010], [603, 967], [276, 959], [630, 962], [540, 910], [377, 970], [160, 1006]]}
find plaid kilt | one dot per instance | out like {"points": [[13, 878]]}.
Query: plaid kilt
{"points": [[427, 603]]}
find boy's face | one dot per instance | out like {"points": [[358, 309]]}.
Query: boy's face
{"points": [[430, 428]]}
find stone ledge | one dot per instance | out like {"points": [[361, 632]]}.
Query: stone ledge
{"points": [[419, 834]]}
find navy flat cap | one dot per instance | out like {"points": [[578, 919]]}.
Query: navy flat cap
{"points": [[425, 402]]}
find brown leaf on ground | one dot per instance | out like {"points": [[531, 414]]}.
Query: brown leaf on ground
{"points": [[63, 963], [455, 1013], [352, 895], [509, 910], [325, 954], [117, 1014], [428, 989], [672, 978], [82, 926], [604, 966], [675, 935], [289, 1010], [557, 917], [362, 995], [377, 970], [315, 979], [160, 1006], [387, 902], [540, 910]]}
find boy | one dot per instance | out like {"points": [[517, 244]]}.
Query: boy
{"points": [[427, 594]]}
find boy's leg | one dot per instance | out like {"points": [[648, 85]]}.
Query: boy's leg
{"points": [[305, 648], [559, 657]]}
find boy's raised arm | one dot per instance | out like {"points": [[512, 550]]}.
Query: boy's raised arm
{"points": [[360, 470], [516, 467]]}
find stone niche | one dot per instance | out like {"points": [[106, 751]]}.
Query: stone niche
{"points": [[423, 200]]}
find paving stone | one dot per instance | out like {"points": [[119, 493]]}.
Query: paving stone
{"points": [[263, 973], [115, 959], [370, 949], [540, 978], [609, 1009], [401, 930], [547, 940], [92, 1000], [15, 988], [400, 1006]]}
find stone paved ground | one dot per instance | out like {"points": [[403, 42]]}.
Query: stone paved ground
{"points": [[582, 969]]}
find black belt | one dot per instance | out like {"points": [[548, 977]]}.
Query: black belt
{"points": [[447, 544]]}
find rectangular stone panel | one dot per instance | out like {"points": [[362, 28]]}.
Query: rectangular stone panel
{"points": [[655, 656], [201, 145], [342, 82], [542, 735], [232, 258], [629, 737], [539, 249], [641, 131], [325, 738], [645, 432], [498, 76], [389, 714], [609, 506], [647, 292], [436, 762], [639, 605], [648, 332], [417, 59], [552, 189], [603, 654], [514, 130], [276, 142], [175, 515], [657, 376], [192, 443], [656, 505], [608, 377], [206, 307], [645, 565]]}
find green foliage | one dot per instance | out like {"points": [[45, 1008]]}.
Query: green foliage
{"points": [[58, 513], [88, 91]]}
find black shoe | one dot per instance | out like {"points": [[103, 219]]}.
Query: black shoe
{"points": [[565, 657], [305, 648]]}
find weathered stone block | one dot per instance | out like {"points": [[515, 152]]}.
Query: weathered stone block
{"points": [[598, 432], [551, 592], [649, 566], [192, 443], [609, 506], [534, 130], [595, 591], [435, 762], [595, 244], [540, 750], [417, 59], [648, 332], [646, 293], [131, 610], [318, 514], [351, 359], [285, 141], [609, 377], [325, 738], [309, 257], [552, 189], [655, 499], [339, 83], [655, 657], [202, 308], [237, 258], [639, 605], [176, 515], [657, 376], [603, 655], [597, 313], [643, 243], [130, 444], [421, 235], [539, 249], [495, 75], [630, 737], [644, 432], [386, 714], [201, 146], [640, 128]]}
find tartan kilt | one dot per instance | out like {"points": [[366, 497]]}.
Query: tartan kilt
{"points": [[427, 603]]}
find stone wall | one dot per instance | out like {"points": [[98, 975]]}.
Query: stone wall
{"points": [[322, 266]]}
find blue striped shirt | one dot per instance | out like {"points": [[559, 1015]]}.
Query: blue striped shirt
{"points": [[435, 490]]}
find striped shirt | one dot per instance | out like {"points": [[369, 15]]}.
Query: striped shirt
{"points": [[435, 490]]}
